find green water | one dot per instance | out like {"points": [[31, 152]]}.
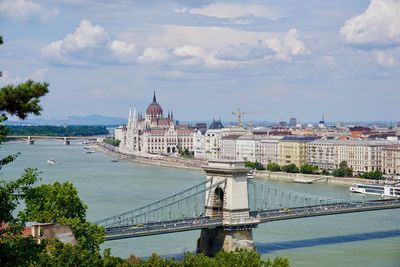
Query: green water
{"points": [[359, 239]]}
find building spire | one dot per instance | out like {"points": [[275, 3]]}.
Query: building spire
{"points": [[154, 96]]}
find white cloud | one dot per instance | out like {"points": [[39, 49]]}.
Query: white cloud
{"points": [[85, 36], [379, 24], [153, 55], [122, 49], [6, 79], [384, 59], [233, 11], [38, 75], [26, 10], [244, 52], [88, 43], [206, 37], [288, 47]]}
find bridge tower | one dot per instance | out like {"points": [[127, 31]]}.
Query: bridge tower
{"points": [[228, 201], [30, 141], [66, 141]]}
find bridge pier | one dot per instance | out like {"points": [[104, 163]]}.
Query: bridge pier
{"points": [[30, 141], [66, 141], [229, 201]]}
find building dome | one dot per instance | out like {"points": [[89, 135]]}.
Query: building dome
{"points": [[154, 109]]}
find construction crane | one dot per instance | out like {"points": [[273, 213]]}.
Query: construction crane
{"points": [[238, 114]]}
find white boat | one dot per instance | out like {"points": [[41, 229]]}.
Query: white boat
{"points": [[377, 190], [88, 150], [51, 161], [250, 174]]}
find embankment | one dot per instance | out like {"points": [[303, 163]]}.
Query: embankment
{"points": [[156, 160], [307, 178]]}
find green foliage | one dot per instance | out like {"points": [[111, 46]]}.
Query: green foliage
{"points": [[186, 153], [325, 172], [112, 141], [254, 165], [308, 169], [377, 174], [343, 170], [46, 130], [11, 193], [238, 258], [15, 250], [273, 167], [47, 203], [22, 99], [291, 168]]}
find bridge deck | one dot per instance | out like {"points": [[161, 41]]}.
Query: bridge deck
{"points": [[131, 231]]}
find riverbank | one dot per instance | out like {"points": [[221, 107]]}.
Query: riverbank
{"points": [[308, 178], [156, 160], [195, 164]]}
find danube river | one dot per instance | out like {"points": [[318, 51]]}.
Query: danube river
{"points": [[108, 188]]}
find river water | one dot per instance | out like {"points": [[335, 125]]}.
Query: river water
{"points": [[109, 188]]}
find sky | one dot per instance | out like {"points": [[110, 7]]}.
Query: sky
{"points": [[204, 59]]}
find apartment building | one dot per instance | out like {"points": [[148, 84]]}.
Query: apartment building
{"points": [[269, 149], [391, 159], [293, 149], [361, 155], [323, 154]]}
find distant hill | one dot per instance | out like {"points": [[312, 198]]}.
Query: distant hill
{"points": [[73, 120]]}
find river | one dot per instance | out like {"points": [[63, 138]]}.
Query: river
{"points": [[108, 188]]}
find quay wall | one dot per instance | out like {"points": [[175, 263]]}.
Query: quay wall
{"points": [[155, 160], [292, 177]]}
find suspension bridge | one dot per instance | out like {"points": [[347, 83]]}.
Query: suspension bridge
{"points": [[226, 207]]}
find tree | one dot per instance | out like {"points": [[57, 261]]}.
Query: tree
{"points": [[47, 203], [308, 169], [273, 167], [343, 171], [291, 168], [254, 165], [376, 174]]}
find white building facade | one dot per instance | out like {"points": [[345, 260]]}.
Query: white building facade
{"points": [[153, 134], [361, 155], [323, 154]]}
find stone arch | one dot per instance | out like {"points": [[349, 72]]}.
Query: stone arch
{"points": [[218, 199]]}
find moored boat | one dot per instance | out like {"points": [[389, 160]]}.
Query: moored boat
{"points": [[386, 190]]}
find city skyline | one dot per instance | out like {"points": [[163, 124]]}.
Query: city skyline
{"points": [[276, 60]]}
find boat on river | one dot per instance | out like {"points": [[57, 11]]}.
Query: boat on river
{"points": [[51, 161], [385, 190]]}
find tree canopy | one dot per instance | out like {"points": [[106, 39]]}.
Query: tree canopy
{"points": [[343, 171]]}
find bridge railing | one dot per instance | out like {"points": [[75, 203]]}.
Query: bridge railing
{"points": [[266, 197], [188, 203]]}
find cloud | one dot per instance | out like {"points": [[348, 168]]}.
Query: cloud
{"points": [[22, 10], [153, 55], [288, 47], [38, 75], [378, 25], [384, 59], [243, 52], [89, 43], [122, 49], [233, 11]]}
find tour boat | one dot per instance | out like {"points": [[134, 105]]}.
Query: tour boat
{"points": [[250, 174], [51, 161], [378, 190], [114, 160]]}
